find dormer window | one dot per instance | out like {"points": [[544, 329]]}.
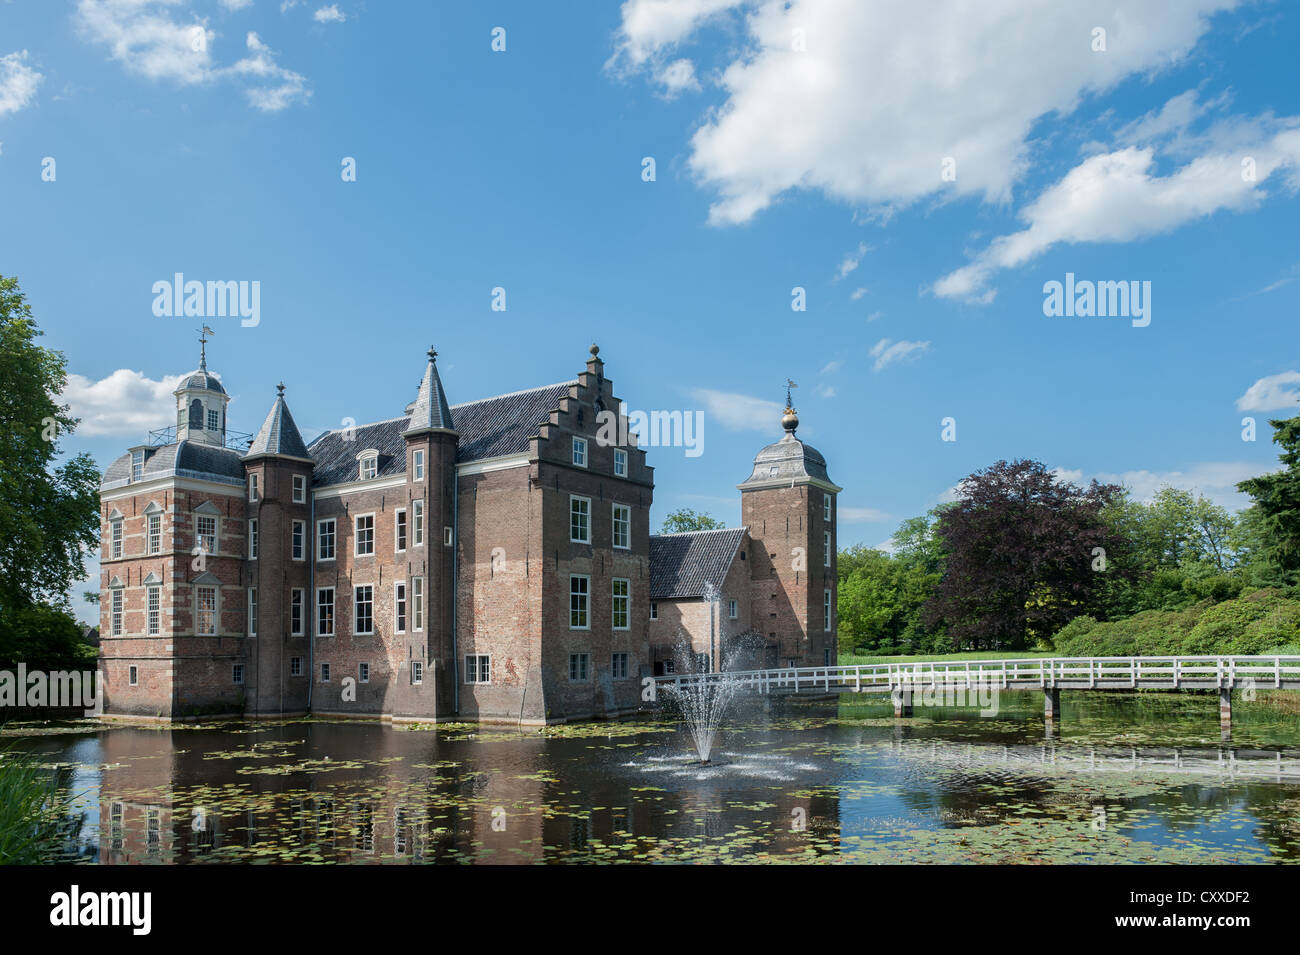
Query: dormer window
{"points": [[137, 466], [580, 452], [368, 464]]}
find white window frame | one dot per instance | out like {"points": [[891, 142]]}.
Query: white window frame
{"points": [[366, 463], [417, 522], [298, 540], [733, 609], [199, 535], [447, 538], [827, 614], [417, 672], [579, 456], [117, 538], [401, 607], [585, 595], [356, 609], [626, 523], [198, 612], [324, 672], [614, 660], [417, 604], [133, 675], [826, 507], [356, 535], [252, 538], [417, 465], [153, 610], [363, 672], [296, 630], [579, 499], [252, 487], [237, 674], [320, 617], [826, 537], [478, 668], [252, 611], [117, 612], [333, 536], [137, 466], [153, 540], [295, 666], [300, 489], [654, 610], [583, 661], [625, 597], [620, 462], [401, 530]]}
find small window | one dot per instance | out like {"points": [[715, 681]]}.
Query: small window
{"points": [[621, 593], [116, 536], [324, 672], [580, 519], [295, 613], [399, 530], [133, 675], [826, 611], [365, 535], [298, 547], [369, 467], [116, 613], [155, 533], [618, 666], [417, 603], [363, 672], [417, 672], [252, 611], [826, 508], [622, 533], [478, 668], [295, 666], [446, 537], [580, 452], [579, 667], [417, 465], [300, 489], [252, 538], [579, 595], [620, 462], [206, 615], [137, 466], [826, 538], [153, 609], [772, 471], [417, 523], [237, 674], [206, 528], [325, 612], [399, 607], [364, 609], [214, 420], [732, 609], [654, 610], [325, 534], [252, 487]]}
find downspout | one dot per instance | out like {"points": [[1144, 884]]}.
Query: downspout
{"points": [[455, 546], [309, 619]]}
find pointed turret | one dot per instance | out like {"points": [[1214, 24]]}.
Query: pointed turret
{"points": [[430, 411], [279, 434]]}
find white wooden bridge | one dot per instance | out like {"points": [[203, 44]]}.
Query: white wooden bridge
{"points": [[1049, 674]]}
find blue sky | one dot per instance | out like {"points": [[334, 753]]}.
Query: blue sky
{"points": [[796, 145]]}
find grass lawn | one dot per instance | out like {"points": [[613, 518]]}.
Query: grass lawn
{"points": [[852, 659]]}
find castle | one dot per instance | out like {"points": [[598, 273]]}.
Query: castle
{"points": [[486, 561]]}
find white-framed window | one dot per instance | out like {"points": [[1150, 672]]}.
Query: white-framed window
{"points": [[237, 674], [826, 547], [252, 486], [133, 675], [417, 603], [365, 535], [417, 465], [399, 529], [399, 607], [618, 666], [205, 615], [252, 538], [153, 610], [478, 668], [326, 532], [732, 609], [206, 531], [579, 667], [363, 672], [115, 612], [654, 610], [363, 609], [826, 508], [295, 613], [620, 462], [252, 611], [417, 672], [579, 602], [295, 666], [621, 604], [580, 452], [622, 532], [115, 535], [579, 519], [137, 466], [324, 672], [300, 489], [447, 537], [826, 611], [417, 523], [325, 612], [214, 420], [369, 467], [298, 540], [155, 533]]}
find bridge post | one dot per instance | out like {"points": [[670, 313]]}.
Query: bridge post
{"points": [[1052, 705], [902, 697], [1225, 711]]}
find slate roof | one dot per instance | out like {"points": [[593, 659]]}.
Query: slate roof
{"points": [[681, 564], [488, 428], [204, 380], [430, 409], [278, 434], [186, 459], [787, 460]]}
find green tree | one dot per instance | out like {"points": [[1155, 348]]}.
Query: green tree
{"points": [[1277, 505], [49, 512], [685, 519]]}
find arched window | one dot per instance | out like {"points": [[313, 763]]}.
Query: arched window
{"points": [[196, 414]]}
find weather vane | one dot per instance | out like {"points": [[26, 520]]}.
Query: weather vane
{"points": [[789, 402], [203, 346]]}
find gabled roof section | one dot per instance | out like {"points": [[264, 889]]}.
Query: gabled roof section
{"points": [[682, 564], [279, 434], [430, 411]]}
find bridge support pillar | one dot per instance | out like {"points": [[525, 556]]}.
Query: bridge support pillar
{"points": [[1225, 711], [1052, 705], [902, 701]]}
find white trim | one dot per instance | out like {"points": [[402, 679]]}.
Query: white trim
{"points": [[302, 611], [613, 597], [417, 504], [293, 484], [477, 669], [356, 535], [316, 540], [378, 484], [298, 522], [624, 458], [502, 462], [400, 624], [356, 631], [334, 613], [586, 452], [613, 525], [168, 480], [587, 578], [406, 527], [252, 543], [418, 454], [579, 540], [765, 483]]}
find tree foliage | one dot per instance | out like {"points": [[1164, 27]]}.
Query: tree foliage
{"points": [[685, 519], [1277, 507]]}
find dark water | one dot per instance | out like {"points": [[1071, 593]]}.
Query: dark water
{"points": [[1126, 779]]}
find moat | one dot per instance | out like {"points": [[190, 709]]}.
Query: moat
{"points": [[1126, 779]]}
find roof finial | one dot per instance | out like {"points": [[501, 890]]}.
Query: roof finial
{"points": [[789, 420], [433, 354], [203, 347], [595, 350], [280, 390]]}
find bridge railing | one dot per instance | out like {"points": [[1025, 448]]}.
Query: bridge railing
{"points": [[1170, 672]]}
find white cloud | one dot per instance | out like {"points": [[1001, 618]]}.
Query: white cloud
{"points": [[678, 77], [874, 315], [831, 367], [233, 5], [1286, 278], [738, 412], [826, 391], [18, 82], [861, 515], [144, 37], [882, 92], [851, 262], [330, 14], [1215, 480], [887, 352], [858, 293], [1270, 394], [124, 403]]}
